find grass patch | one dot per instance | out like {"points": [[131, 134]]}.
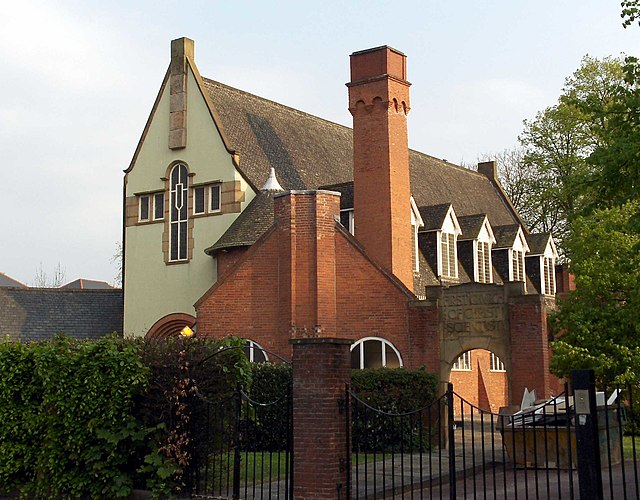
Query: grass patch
{"points": [[255, 468], [627, 446]]}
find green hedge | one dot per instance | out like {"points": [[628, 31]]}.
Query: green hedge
{"points": [[393, 391], [93, 419], [71, 430]]}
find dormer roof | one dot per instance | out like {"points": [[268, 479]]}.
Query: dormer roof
{"points": [[506, 235], [541, 244]]}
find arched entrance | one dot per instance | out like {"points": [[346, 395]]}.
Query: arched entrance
{"points": [[170, 326], [480, 377], [475, 325]]}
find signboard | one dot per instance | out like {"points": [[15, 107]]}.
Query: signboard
{"points": [[472, 313]]}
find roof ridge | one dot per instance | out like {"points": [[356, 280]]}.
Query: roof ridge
{"points": [[274, 103]]}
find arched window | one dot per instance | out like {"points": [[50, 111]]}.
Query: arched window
{"points": [[178, 216], [374, 352], [255, 353]]}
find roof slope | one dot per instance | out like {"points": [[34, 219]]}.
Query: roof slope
{"points": [[252, 223], [85, 284], [538, 243], [308, 152], [40, 313], [9, 281]]}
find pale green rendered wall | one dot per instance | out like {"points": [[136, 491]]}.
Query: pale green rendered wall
{"points": [[152, 288]]}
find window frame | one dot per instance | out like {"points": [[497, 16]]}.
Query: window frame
{"points": [[144, 199], [448, 241], [155, 206], [360, 345], [196, 190], [462, 363], [253, 345], [548, 275], [350, 220], [496, 364], [180, 223], [209, 206], [483, 262]]}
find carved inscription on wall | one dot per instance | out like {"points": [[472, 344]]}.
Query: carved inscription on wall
{"points": [[471, 314]]}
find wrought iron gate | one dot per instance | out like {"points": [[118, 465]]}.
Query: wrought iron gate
{"points": [[245, 449], [453, 449]]}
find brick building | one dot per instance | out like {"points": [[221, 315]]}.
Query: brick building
{"points": [[245, 217]]}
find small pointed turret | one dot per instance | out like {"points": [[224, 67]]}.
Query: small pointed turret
{"points": [[272, 183]]}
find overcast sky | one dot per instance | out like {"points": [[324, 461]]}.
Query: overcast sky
{"points": [[78, 79]]}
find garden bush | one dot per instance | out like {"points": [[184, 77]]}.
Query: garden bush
{"points": [[407, 399], [93, 419], [72, 428]]}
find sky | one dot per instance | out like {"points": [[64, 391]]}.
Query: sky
{"points": [[78, 80]]}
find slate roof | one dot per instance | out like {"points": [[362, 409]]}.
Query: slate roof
{"points": [[85, 284], [8, 281], [537, 243], [308, 152], [471, 225], [433, 216], [252, 223], [346, 193], [505, 235], [39, 313]]}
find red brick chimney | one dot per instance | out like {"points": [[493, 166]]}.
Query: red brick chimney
{"points": [[307, 262], [379, 103]]}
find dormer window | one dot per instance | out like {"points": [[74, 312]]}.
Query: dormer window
{"points": [[549, 276], [346, 219], [483, 244], [540, 262], [484, 262], [448, 236], [516, 263], [449, 255]]}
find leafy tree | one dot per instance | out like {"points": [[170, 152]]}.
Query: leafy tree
{"points": [[559, 141], [599, 323], [630, 12]]}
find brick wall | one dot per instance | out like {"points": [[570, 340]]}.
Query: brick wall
{"points": [[321, 370], [481, 387], [306, 278], [529, 346]]}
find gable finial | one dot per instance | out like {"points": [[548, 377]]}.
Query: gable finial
{"points": [[272, 183]]}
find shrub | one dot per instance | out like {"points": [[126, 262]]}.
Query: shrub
{"points": [[267, 425], [401, 412], [20, 401], [76, 429]]}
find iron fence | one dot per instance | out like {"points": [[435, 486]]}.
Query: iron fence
{"points": [[454, 449]]}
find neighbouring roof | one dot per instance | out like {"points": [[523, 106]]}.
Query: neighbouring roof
{"points": [[39, 313], [84, 284], [346, 193], [8, 281], [308, 152]]}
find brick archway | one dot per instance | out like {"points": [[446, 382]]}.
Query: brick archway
{"points": [[501, 319], [170, 326]]}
